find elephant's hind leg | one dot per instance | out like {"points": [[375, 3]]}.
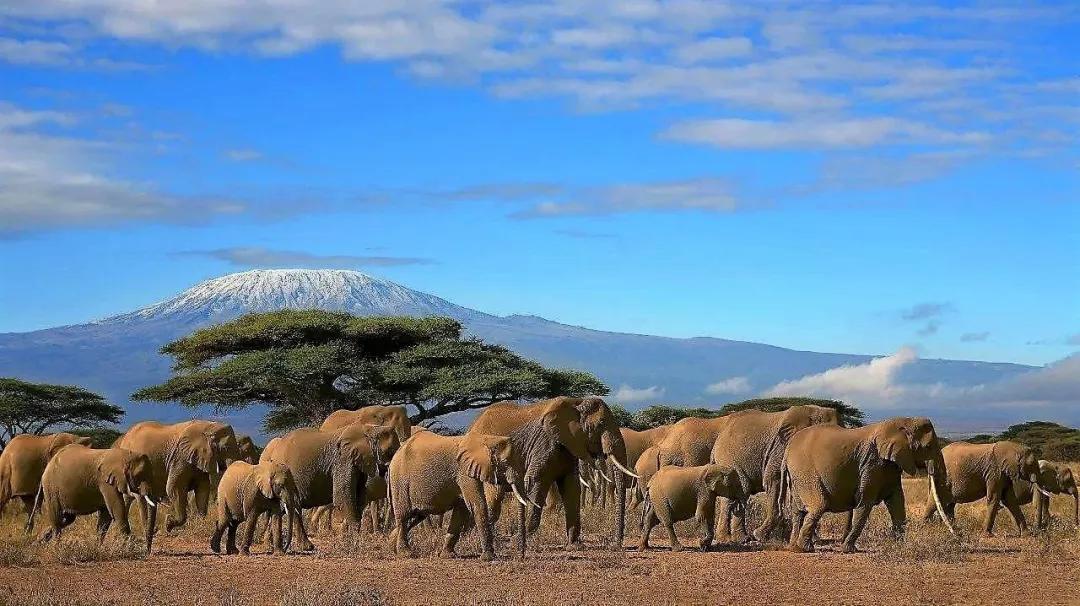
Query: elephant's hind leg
{"points": [[1014, 508], [459, 517], [862, 513], [103, 522], [803, 533], [230, 540], [650, 521], [570, 492]]}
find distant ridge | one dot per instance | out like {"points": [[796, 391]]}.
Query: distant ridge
{"points": [[119, 354]]}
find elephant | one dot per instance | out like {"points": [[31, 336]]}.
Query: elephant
{"points": [[184, 457], [637, 442], [998, 472], [80, 480], [831, 468], [247, 491], [332, 467], [373, 519], [752, 442], [393, 416], [675, 494], [646, 466], [23, 461], [249, 451], [1055, 479], [433, 474], [552, 436]]}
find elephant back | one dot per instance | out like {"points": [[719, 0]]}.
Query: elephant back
{"points": [[504, 418], [690, 441], [392, 416]]}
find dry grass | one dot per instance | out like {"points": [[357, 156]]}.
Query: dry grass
{"points": [[927, 565]]}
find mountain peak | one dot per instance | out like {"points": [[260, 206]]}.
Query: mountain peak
{"points": [[258, 290]]}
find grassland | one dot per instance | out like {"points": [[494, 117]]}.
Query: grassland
{"points": [[928, 567]]}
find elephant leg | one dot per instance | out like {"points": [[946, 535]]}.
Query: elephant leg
{"points": [[669, 525], [861, 514], [706, 519], [118, 512], [993, 503], [404, 527], [178, 515], [230, 539], [473, 493], [1042, 511], [772, 497], [103, 522], [897, 513], [249, 532], [1014, 508], [804, 539], [279, 545], [724, 534], [459, 517], [141, 507], [219, 529], [570, 491], [202, 496], [296, 522], [648, 523]]}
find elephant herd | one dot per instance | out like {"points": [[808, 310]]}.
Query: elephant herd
{"points": [[373, 460]]}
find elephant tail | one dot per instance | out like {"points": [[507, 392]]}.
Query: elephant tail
{"points": [[785, 487], [646, 507], [5, 484], [38, 498], [389, 494]]}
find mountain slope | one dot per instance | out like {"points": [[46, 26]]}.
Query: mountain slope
{"points": [[118, 355]]}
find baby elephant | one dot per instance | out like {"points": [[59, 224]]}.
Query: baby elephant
{"points": [[247, 491], [81, 480], [433, 474], [675, 494]]}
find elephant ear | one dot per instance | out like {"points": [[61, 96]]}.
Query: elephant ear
{"points": [[264, 480], [565, 424], [895, 445], [109, 471], [477, 457], [84, 441]]}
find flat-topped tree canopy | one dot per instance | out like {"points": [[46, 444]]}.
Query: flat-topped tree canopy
{"points": [[38, 407], [306, 364]]}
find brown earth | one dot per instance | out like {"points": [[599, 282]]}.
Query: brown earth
{"points": [[929, 567]]}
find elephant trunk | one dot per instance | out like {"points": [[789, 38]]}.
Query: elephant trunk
{"points": [[1076, 506], [615, 449], [151, 525]]}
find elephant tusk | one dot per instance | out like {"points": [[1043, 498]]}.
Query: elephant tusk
{"points": [[149, 501], [520, 498], [602, 474], [622, 467], [583, 482], [940, 507], [1042, 490]]}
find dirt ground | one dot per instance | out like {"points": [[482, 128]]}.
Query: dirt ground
{"points": [[929, 567]]}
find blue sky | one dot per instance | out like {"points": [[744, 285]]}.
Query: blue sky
{"points": [[825, 176]]}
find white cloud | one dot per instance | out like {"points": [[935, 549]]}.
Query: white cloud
{"points": [[734, 385], [243, 155], [628, 394], [703, 195], [861, 132], [874, 382]]}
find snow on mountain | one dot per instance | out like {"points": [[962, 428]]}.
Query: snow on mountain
{"points": [[260, 290]]}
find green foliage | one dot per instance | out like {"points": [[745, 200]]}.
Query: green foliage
{"points": [[100, 437], [655, 416], [1049, 440], [306, 364], [850, 416], [36, 407]]}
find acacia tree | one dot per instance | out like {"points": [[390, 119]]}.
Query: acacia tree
{"points": [[36, 407], [655, 416], [850, 416], [306, 364]]}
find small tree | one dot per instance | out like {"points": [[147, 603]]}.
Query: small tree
{"points": [[306, 364], [655, 416], [36, 407], [850, 416]]}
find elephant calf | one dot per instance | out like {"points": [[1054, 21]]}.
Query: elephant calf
{"points": [[81, 480], [645, 467], [246, 491], [675, 494], [433, 474]]}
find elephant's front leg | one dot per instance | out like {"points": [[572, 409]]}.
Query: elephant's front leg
{"points": [[993, 503], [724, 534], [202, 494], [706, 518], [570, 491], [473, 493], [176, 493], [103, 522], [118, 512], [897, 513], [1014, 508]]}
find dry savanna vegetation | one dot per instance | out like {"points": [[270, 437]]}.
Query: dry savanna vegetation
{"points": [[928, 566]]}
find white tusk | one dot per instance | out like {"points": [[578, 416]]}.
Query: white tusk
{"points": [[583, 482], [285, 506], [602, 474], [940, 507], [149, 501], [520, 498], [622, 467], [1042, 490]]}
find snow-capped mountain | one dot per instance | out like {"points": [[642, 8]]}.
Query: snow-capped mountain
{"points": [[118, 355], [229, 296]]}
